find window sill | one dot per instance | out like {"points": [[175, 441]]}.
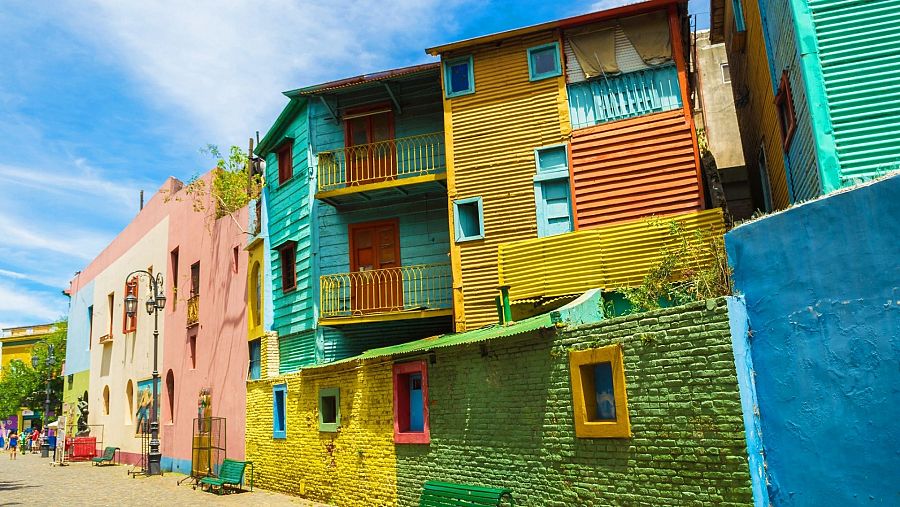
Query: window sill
{"points": [[470, 238], [412, 438], [542, 77], [329, 427]]}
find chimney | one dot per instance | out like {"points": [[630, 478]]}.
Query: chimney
{"points": [[142, 200]]}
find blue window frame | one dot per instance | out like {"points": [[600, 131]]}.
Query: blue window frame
{"points": [[468, 218], [551, 190], [543, 62], [738, 7], [459, 77], [255, 359], [279, 419]]}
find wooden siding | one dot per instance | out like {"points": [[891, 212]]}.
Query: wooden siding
{"points": [[289, 218], [608, 257], [633, 168], [781, 45], [754, 100], [296, 351], [624, 96], [347, 341], [491, 137], [859, 50]]}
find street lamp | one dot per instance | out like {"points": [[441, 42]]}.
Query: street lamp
{"points": [[154, 304], [49, 361]]}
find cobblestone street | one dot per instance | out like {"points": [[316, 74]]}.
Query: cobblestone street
{"points": [[30, 480]]}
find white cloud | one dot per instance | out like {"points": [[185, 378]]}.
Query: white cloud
{"points": [[225, 64], [25, 306]]}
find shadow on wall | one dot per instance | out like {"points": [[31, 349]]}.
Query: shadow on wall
{"points": [[822, 286]]}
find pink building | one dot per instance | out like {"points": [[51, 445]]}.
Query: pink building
{"points": [[205, 360]]}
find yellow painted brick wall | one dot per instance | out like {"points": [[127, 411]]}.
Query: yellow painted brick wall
{"points": [[356, 466]]}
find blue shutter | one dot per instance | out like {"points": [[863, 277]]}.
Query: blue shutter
{"points": [[255, 360], [554, 211], [416, 403]]}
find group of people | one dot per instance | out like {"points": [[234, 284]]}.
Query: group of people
{"points": [[28, 439]]}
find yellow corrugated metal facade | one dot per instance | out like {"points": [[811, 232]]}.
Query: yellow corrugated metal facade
{"points": [[756, 111], [491, 137], [609, 257]]}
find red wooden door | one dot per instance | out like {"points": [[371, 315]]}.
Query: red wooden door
{"points": [[376, 284], [371, 157]]}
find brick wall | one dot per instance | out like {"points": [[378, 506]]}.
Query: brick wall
{"points": [[501, 415], [355, 466]]}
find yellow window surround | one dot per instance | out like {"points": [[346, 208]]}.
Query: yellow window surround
{"points": [[581, 369]]}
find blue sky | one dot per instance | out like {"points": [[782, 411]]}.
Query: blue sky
{"points": [[99, 99]]}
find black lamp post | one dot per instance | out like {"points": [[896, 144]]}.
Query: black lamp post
{"points": [[155, 303], [49, 361]]}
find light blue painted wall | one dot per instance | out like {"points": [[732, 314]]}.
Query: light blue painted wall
{"points": [[78, 335], [822, 287], [781, 46]]}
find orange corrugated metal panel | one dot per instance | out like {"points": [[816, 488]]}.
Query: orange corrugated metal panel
{"points": [[493, 133], [628, 169], [610, 257]]}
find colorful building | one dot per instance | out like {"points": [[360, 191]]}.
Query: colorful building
{"points": [[357, 223], [824, 107], [561, 128], [202, 339], [16, 344]]}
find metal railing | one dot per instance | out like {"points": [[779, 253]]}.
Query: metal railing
{"points": [[382, 161], [193, 310], [419, 287]]}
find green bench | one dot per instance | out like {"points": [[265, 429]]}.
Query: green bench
{"points": [[108, 455], [231, 473], [446, 494]]}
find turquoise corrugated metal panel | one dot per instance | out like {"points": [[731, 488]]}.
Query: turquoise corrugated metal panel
{"points": [[348, 341], [624, 96], [859, 50], [289, 218], [781, 46], [296, 351]]}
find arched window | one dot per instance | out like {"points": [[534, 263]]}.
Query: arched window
{"points": [[105, 400], [129, 399], [170, 394], [256, 293]]}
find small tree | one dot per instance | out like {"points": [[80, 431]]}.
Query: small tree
{"points": [[24, 386]]}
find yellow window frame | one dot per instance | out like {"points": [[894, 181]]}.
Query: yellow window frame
{"points": [[580, 362]]}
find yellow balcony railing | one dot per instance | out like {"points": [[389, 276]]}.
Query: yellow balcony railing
{"points": [[610, 257], [389, 160], [193, 310], [390, 290]]}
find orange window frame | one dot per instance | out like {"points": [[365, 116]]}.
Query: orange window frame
{"points": [[787, 118]]}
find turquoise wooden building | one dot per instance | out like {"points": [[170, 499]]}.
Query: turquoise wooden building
{"points": [[834, 67], [357, 215]]}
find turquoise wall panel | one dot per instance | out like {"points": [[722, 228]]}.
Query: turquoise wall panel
{"points": [[289, 219], [347, 341], [78, 334], [296, 350], [624, 96], [859, 53], [781, 46]]}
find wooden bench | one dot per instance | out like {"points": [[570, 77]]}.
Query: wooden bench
{"points": [[108, 455], [446, 494], [231, 473]]}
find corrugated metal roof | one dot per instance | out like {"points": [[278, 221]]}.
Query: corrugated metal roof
{"points": [[363, 79], [618, 12]]}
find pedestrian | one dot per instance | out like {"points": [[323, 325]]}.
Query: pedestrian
{"points": [[13, 442], [35, 440]]}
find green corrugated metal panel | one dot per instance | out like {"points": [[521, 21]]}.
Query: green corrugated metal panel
{"points": [[296, 351], [859, 48]]}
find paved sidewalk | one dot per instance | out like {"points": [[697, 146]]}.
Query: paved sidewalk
{"points": [[30, 480]]}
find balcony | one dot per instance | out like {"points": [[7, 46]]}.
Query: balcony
{"points": [[407, 292], [193, 310], [107, 338], [366, 171], [609, 257]]}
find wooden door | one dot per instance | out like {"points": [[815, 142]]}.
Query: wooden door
{"points": [[371, 153], [376, 283]]}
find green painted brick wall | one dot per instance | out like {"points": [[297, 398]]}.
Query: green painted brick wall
{"points": [[501, 415]]}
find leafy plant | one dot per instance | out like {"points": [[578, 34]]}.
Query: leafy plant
{"points": [[24, 386], [692, 267]]}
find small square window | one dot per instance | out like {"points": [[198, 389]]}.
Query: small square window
{"points": [[552, 159], [286, 162], [459, 78], [468, 217], [784, 101], [287, 254], [726, 73], [598, 393], [543, 62], [411, 403], [279, 419], [255, 359], [329, 409]]}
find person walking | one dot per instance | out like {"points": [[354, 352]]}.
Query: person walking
{"points": [[13, 443]]}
